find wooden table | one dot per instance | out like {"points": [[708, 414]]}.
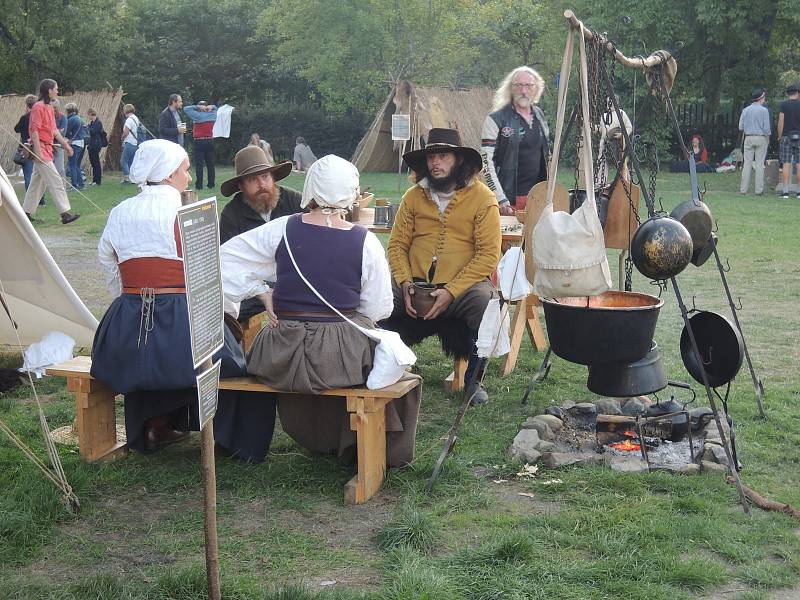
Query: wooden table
{"points": [[526, 317]]}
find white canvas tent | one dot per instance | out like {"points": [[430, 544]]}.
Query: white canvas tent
{"points": [[39, 296]]}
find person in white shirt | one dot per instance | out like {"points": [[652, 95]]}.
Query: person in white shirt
{"points": [[130, 142]]}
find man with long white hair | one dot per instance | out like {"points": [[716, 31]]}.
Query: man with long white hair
{"points": [[514, 139]]}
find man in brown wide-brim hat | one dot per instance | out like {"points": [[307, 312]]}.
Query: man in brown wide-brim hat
{"points": [[447, 235], [257, 199]]}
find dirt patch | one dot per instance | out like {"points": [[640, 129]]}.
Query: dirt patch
{"points": [[77, 258]]}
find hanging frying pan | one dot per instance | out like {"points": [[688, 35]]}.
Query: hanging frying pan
{"points": [[720, 345]]}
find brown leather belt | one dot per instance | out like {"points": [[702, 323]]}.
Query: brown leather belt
{"points": [[295, 314], [162, 290]]}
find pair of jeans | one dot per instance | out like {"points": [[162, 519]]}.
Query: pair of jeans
{"points": [[97, 169], [74, 167], [27, 171], [128, 150], [203, 154]]}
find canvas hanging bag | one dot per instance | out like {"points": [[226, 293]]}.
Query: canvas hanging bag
{"points": [[569, 249], [392, 357]]}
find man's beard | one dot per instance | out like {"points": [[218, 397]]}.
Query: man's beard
{"points": [[264, 201], [522, 101], [443, 184]]}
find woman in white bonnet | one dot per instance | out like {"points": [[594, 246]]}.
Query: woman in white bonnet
{"points": [[305, 346], [141, 348]]}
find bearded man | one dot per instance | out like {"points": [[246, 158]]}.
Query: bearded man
{"points": [[514, 140], [257, 199], [446, 233]]}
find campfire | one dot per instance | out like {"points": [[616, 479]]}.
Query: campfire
{"points": [[627, 445]]}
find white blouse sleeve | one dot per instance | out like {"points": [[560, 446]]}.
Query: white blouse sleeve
{"points": [[376, 285], [108, 261], [248, 260]]}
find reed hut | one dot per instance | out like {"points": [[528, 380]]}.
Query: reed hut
{"points": [[462, 109], [107, 103]]}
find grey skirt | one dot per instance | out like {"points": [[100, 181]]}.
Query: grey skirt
{"points": [[312, 356]]}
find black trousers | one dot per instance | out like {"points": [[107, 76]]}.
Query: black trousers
{"points": [[97, 170], [203, 154]]}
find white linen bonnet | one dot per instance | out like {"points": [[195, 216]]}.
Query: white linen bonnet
{"points": [[155, 160], [332, 182]]}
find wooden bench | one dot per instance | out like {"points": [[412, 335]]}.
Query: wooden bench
{"points": [[97, 432]]}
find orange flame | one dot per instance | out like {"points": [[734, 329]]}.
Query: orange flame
{"points": [[626, 446]]}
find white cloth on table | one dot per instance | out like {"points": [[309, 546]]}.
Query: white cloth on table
{"points": [[142, 226], [248, 261], [222, 126]]}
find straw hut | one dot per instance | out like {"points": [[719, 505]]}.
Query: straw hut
{"points": [[462, 109], [107, 103]]}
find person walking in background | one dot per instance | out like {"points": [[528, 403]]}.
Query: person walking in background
{"points": [[43, 130], [170, 125], [514, 140], [97, 141], [75, 135], [255, 140], [58, 151], [789, 135], [203, 116], [130, 141], [755, 126], [24, 137], [303, 156]]}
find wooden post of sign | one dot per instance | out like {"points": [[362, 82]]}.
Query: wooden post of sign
{"points": [[210, 503]]}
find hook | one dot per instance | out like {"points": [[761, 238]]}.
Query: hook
{"points": [[740, 304], [703, 191], [728, 268], [694, 306], [660, 204], [715, 229]]}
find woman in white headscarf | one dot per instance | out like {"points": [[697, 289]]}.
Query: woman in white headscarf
{"points": [[141, 348], [306, 347]]}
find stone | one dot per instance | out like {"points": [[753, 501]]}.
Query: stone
{"points": [[608, 406], [523, 448], [689, 469], [716, 442], [634, 407], [629, 464], [714, 453], [555, 460], [567, 404], [587, 408], [556, 411], [543, 429], [545, 446], [553, 422], [710, 467]]}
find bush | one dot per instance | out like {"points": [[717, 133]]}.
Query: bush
{"points": [[280, 124]]}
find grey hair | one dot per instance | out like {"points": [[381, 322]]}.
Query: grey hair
{"points": [[502, 97]]}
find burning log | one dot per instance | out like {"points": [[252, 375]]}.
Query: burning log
{"points": [[611, 429]]}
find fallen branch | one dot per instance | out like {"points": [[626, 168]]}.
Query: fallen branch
{"points": [[765, 504]]}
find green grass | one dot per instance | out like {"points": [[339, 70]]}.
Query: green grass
{"points": [[283, 528]]}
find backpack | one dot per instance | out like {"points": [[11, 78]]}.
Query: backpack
{"points": [[141, 133], [103, 138]]}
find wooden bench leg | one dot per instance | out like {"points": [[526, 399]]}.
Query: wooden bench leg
{"points": [[368, 420], [96, 420], [455, 381]]}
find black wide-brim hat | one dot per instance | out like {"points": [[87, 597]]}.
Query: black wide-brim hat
{"points": [[252, 160], [442, 140]]}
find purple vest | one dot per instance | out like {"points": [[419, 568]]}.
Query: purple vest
{"points": [[331, 261]]}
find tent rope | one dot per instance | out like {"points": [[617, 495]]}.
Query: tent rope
{"points": [[57, 474]]}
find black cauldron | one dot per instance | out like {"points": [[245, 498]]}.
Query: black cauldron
{"points": [[626, 380], [720, 345], [702, 253], [613, 327], [661, 248]]}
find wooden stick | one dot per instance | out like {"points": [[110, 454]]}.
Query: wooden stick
{"points": [[655, 59], [210, 519], [765, 504]]}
